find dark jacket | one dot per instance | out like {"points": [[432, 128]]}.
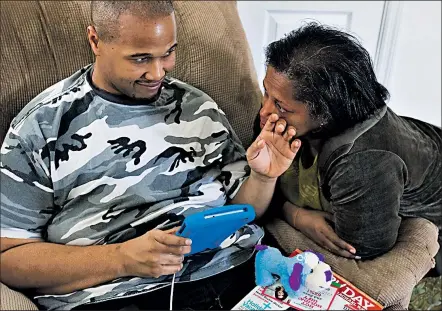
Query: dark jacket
{"points": [[376, 172]]}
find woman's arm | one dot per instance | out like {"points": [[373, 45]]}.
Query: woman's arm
{"points": [[366, 189]]}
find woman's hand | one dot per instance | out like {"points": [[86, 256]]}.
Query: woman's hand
{"points": [[314, 225], [272, 153]]}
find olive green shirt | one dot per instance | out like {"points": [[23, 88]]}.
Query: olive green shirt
{"points": [[302, 189]]}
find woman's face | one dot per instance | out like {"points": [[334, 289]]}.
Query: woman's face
{"points": [[280, 294], [278, 98]]}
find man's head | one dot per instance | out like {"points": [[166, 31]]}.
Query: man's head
{"points": [[134, 43], [320, 78]]}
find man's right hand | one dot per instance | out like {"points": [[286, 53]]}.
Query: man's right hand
{"points": [[314, 225], [154, 254]]}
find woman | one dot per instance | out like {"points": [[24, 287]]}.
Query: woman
{"points": [[361, 167], [280, 293]]}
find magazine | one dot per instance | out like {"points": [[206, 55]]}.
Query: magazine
{"points": [[342, 295]]}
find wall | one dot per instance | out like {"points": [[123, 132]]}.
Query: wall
{"points": [[408, 53], [414, 81]]}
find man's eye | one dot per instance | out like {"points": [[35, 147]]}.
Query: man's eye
{"points": [[280, 108], [168, 53], [141, 60]]}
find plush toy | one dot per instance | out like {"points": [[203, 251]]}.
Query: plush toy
{"points": [[305, 269], [320, 278]]}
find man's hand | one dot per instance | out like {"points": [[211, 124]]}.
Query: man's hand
{"points": [[313, 224], [271, 154], [155, 253]]}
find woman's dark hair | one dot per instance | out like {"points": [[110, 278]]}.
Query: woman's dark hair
{"points": [[278, 289], [330, 72]]}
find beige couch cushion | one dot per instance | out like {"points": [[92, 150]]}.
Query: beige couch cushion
{"points": [[37, 51], [390, 278], [13, 300], [45, 41], [214, 56]]}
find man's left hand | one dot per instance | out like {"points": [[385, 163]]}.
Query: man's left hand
{"points": [[271, 154]]}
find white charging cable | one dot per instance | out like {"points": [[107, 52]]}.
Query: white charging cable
{"points": [[171, 292]]}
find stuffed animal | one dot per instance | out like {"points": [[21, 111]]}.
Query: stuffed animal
{"points": [[293, 272], [320, 278]]}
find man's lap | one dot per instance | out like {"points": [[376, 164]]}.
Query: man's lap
{"points": [[221, 291]]}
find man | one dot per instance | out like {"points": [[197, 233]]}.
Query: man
{"points": [[99, 169]]}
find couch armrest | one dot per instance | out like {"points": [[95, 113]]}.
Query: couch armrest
{"points": [[390, 278], [13, 300]]}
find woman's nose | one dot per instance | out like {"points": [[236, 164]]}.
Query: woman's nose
{"points": [[267, 109]]}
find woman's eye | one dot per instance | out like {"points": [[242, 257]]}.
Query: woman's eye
{"points": [[280, 108]]}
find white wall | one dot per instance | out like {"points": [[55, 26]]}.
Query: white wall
{"points": [[408, 57], [415, 75]]}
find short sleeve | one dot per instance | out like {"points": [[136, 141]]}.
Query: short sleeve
{"points": [[26, 189], [235, 169]]}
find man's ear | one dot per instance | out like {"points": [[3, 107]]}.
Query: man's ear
{"points": [[92, 37]]}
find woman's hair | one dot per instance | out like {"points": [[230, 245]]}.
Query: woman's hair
{"points": [[278, 289], [330, 72]]}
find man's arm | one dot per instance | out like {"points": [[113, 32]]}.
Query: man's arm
{"points": [[27, 261], [366, 189], [59, 269]]}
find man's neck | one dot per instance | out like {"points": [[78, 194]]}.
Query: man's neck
{"points": [[99, 81]]}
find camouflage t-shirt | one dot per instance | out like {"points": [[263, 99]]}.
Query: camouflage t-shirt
{"points": [[80, 166]]}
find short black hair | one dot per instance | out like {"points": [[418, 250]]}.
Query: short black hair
{"points": [[330, 72], [105, 14]]}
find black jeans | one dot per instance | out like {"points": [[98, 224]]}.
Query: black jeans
{"points": [[219, 292]]}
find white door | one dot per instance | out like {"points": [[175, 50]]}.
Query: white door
{"points": [[267, 21]]}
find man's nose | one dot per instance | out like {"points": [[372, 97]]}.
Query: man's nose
{"points": [[267, 108], [155, 70]]}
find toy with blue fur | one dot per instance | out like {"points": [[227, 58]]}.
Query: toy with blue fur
{"points": [[306, 269]]}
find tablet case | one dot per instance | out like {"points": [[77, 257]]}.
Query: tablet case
{"points": [[209, 228]]}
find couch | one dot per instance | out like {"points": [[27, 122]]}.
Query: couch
{"points": [[43, 41]]}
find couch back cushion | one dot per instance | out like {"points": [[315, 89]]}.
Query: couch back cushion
{"points": [[44, 42]]}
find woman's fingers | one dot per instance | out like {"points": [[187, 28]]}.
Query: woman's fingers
{"points": [[335, 244], [329, 245], [280, 126], [295, 145], [289, 133], [271, 122]]}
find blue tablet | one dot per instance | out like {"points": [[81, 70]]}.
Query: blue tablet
{"points": [[209, 228]]}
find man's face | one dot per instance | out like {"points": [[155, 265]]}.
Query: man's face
{"points": [[136, 60], [278, 98]]}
